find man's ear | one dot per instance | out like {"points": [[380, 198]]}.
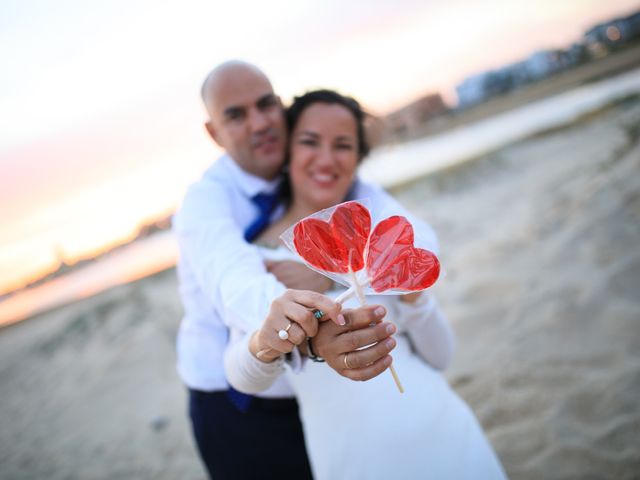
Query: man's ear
{"points": [[213, 133]]}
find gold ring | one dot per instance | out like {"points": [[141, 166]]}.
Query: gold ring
{"points": [[345, 360]]}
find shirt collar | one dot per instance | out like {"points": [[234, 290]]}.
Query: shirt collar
{"points": [[248, 183]]}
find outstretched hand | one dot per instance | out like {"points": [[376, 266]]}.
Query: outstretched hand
{"points": [[292, 314], [342, 346]]}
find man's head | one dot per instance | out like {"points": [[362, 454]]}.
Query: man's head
{"points": [[245, 117]]}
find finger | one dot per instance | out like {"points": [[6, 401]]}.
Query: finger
{"points": [[271, 334], [270, 264], [292, 330], [314, 300], [296, 334], [363, 317], [270, 342], [368, 372], [353, 340], [282, 346], [365, 357], [303, 317]]}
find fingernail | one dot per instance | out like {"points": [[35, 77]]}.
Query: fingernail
{"points": [[380, 311], [341, 320], [391, 328], [387, 361], [390, 343]]}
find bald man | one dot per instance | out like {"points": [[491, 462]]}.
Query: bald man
{"points": [[224, 282]]}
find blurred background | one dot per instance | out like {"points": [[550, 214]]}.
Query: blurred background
{"points": [[512, 126]]}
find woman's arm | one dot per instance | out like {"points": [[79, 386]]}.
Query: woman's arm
{"points": [[244, 371], [428, 329], [253, 361]]}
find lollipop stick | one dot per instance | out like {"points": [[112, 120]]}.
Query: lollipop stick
{"points": [[346, 295], [360, 294], [396, 379]]}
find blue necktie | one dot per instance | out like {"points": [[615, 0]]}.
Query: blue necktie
{"points": [[266, 203]]}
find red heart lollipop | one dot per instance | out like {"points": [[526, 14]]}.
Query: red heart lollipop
{"points": [[328, 245], [394, 263]]}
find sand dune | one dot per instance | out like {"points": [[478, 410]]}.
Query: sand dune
{"points": [[540, 241], [540, 244]]}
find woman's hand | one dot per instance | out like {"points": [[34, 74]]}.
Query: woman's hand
{"points": [[294, 314]]}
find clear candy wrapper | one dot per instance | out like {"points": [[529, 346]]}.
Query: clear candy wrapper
{"points": [[366, 254]]}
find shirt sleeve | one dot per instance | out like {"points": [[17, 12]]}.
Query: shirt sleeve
{"points": [[245, 372], [427, 328], [228, 270], [422, 321]]}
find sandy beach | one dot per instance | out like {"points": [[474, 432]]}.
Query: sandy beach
{"points": [[540, 246]]}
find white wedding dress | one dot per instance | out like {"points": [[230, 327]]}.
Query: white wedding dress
{"points": [[369, 430]]}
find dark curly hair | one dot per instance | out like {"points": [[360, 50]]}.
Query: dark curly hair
{"points": [[300, 104]]}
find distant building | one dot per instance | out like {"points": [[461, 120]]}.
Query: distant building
{"points": [[410, 119], [597, 41], [472, 90], [482, 86], [612, 34], [544, 63]]}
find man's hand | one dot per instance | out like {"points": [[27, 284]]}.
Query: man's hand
{"points": [[298, 276], [339, 345]]}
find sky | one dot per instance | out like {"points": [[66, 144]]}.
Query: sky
{"points": [[101, 125]]}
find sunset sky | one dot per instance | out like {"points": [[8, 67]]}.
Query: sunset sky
{"points": [[101, 125]]}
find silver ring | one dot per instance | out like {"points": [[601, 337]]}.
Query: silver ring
{"points": [[345, 360], [284, 333]]}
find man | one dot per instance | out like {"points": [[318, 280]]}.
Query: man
{"points": [[223, 282]]}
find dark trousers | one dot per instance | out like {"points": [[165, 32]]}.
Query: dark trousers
{"points": [[266, 441]]}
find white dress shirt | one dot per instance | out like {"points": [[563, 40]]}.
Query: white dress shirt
{"points": [[223, 280]]}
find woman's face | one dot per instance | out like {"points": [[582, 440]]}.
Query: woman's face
{"points": [[324, 155]]}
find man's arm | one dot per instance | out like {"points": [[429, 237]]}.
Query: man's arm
{"points": [[229, 271]]}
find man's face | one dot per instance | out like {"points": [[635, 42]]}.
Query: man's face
{"points": [[247, 120]]}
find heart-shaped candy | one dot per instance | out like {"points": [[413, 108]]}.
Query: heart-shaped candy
{"points": [[394, 263], [331, 246]]}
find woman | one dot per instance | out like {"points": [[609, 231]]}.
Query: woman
{"points": [[352, 429]]}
